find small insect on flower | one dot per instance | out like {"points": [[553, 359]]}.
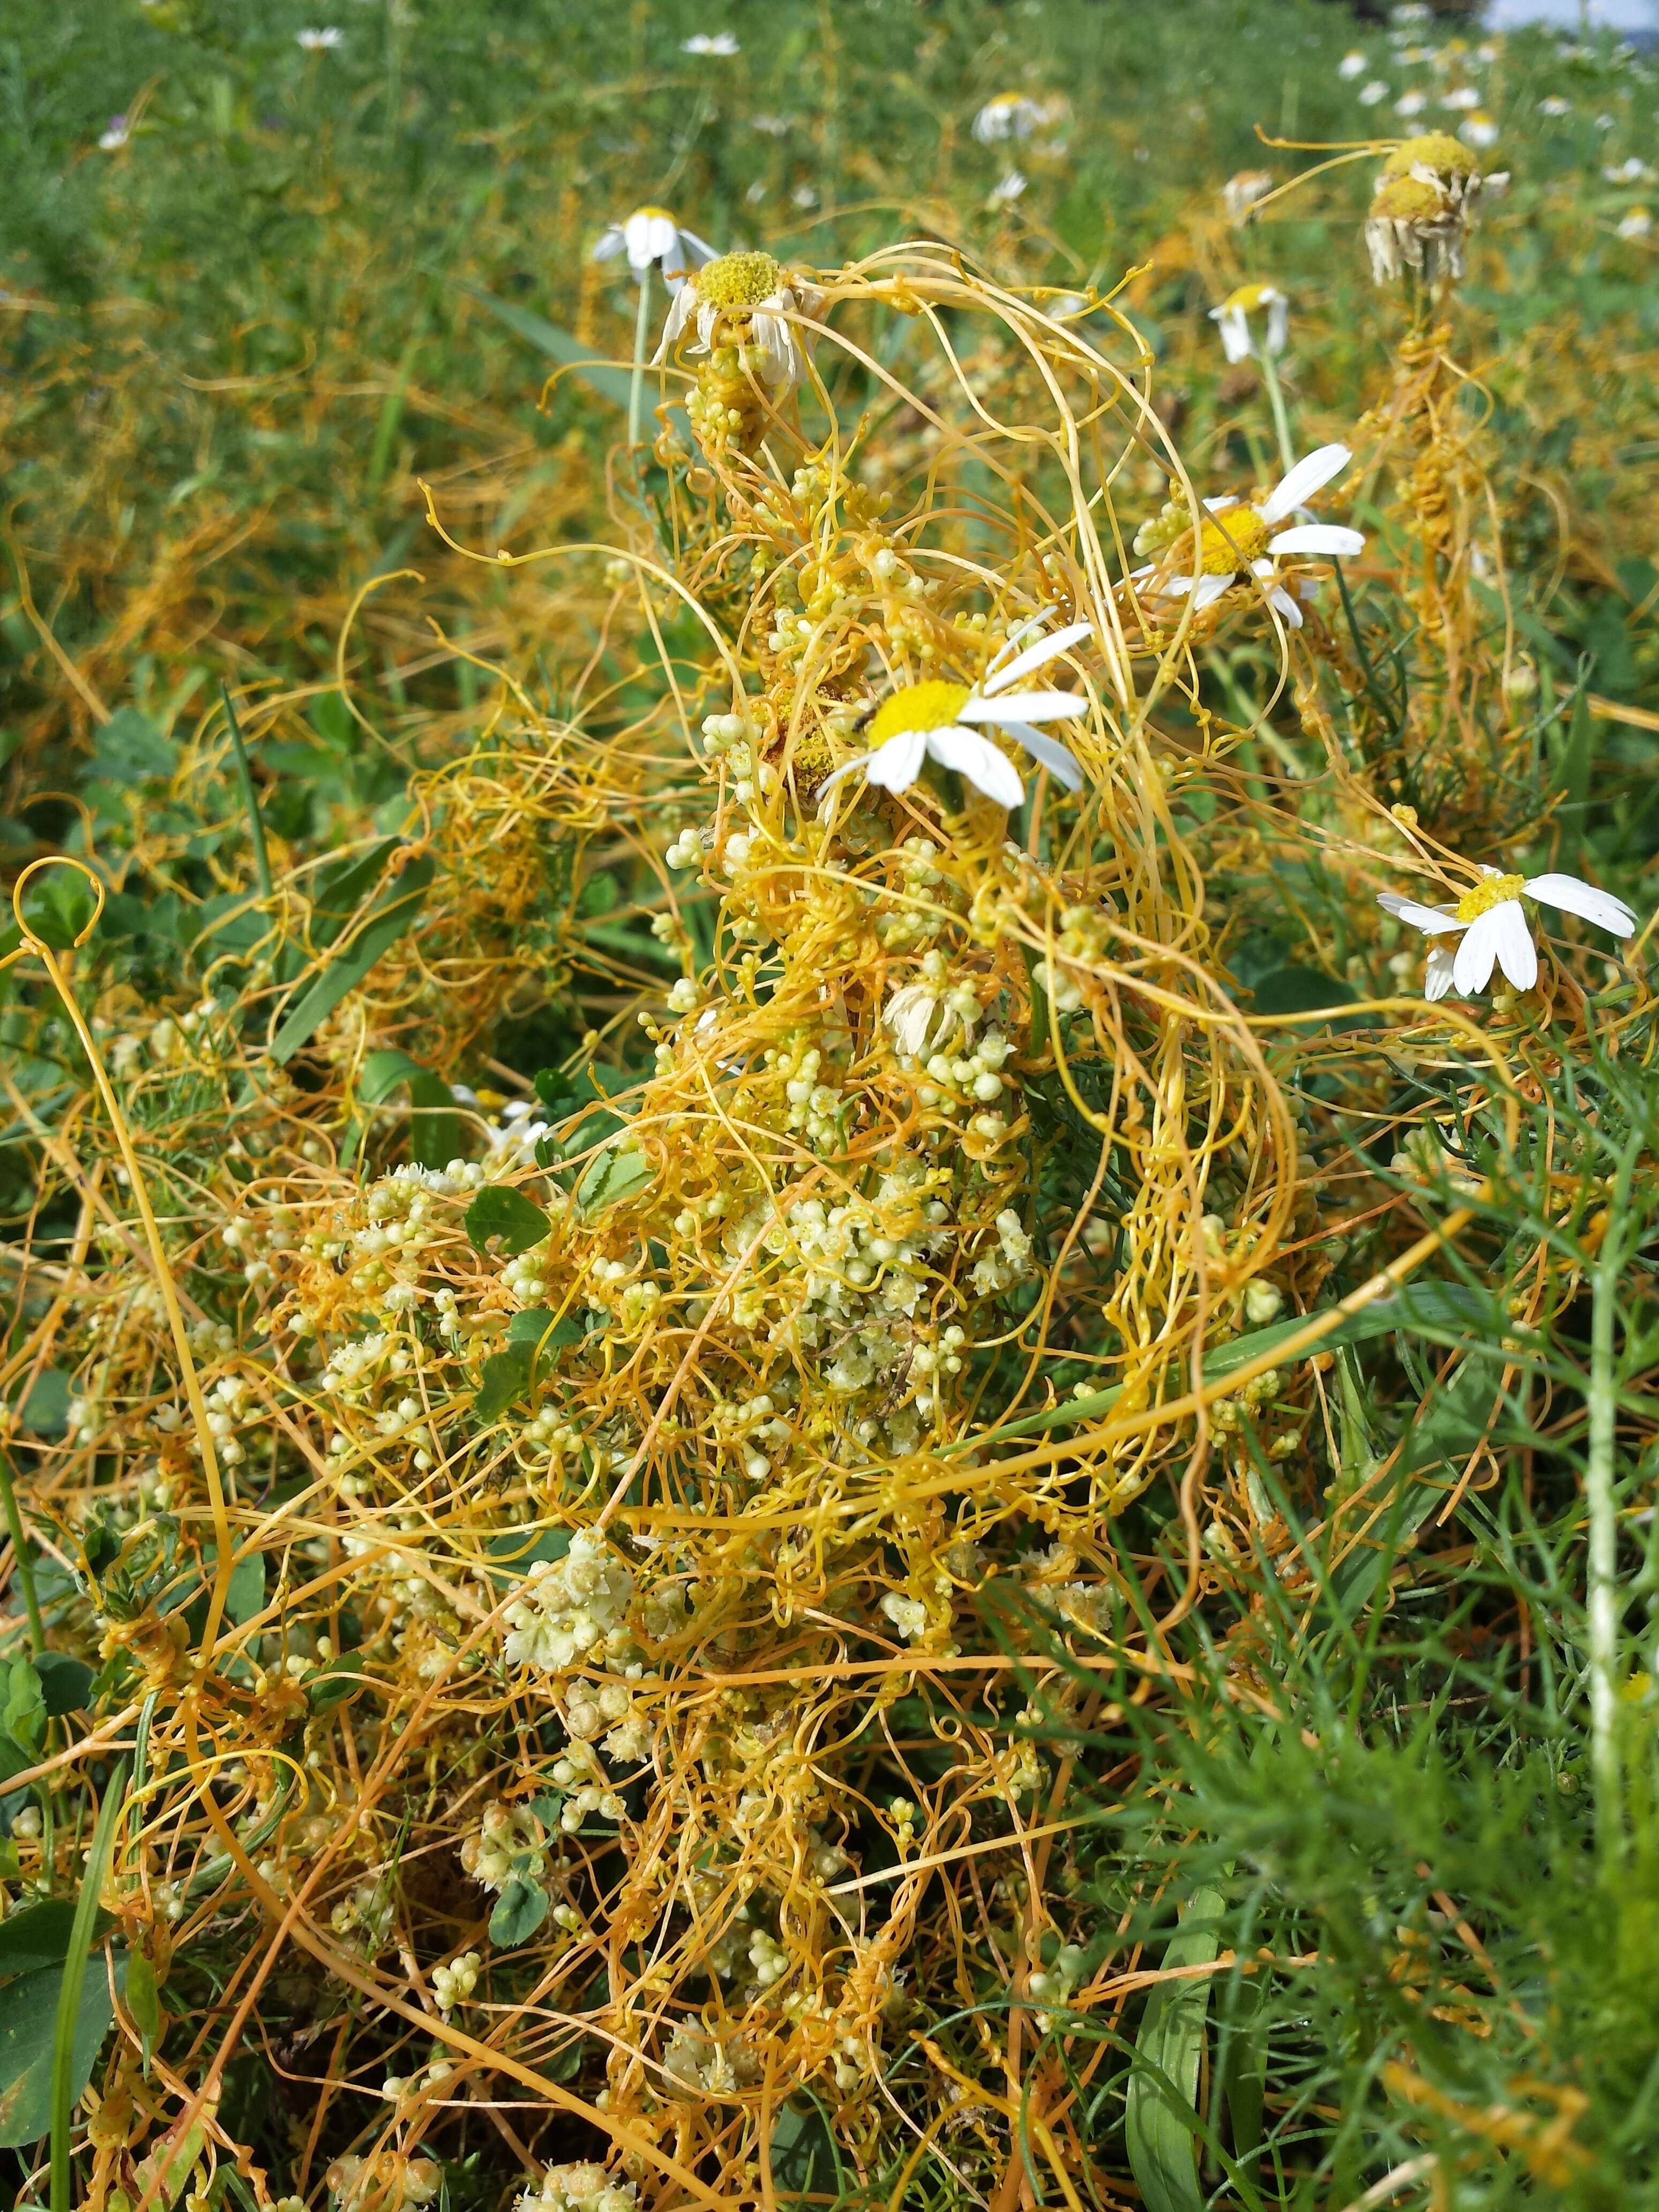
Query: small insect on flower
{"points": [[723, 43], [1232, 322], [651, 238], [932, 720], [746, 299], [1240, 194], [1238, 541], [1494, 928], [323, 41], [1009, 115]]}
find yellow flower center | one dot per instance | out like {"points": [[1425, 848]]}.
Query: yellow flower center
{"points": [[1435, 150], [1251, 299], [651, 211], [739, 280], [1229, 541], [1410, 199], [1486, 896], [931, 706]]}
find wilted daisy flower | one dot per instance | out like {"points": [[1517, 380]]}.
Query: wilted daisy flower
{"points": [[1240, 193], [1232, 321], [704, 42], [1419, 216], [1410, 103], [1009, 115], [1239, 540], [1494, 928], [115, 135], [1478, 129], [1637, 222], [319, 41], [651, 238], [752, 295], [934, 719], [1352, 66], [1552, 104], [1371, 93]]}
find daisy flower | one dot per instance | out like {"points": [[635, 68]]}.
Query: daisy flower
{"points": [[752, 295], [1410, 103], [1423, 203], [1461, 97], [1494, 928], [323, 41], [1552, 104], [1478, 129], [1371, 93], [1352, 66], [651, 238], [934, 720], [1009, 115], [1632, 172], [1636, 223], [116, 136], [1238, 540], [1007, 191], [1232, 321], [702, 42]]}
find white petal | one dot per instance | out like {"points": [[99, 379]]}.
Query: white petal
{"points": [[895, 765], [1207, 590], [1438, 974], [1220, 505], [649, 238], [1034, 657], [980, 761], [1573, 897], [1517, 956], [700, 250], [1431, 920], [610, 244], [1321, 537], [1025, 706], [678, 315], [1312, 471], [1472, 966], [1280, 600], [1048, 751]]}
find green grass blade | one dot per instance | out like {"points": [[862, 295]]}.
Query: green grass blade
{"points": [[69, 1994], [1162, 2116], [392, 917]]}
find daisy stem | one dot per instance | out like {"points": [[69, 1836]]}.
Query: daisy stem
{"points": [[1601, 1498], [1276, 401], [641, 332]]}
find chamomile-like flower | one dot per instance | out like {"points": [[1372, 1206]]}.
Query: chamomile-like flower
{"points": [[320, 42], [749, 298], [1494, 929], [1006, 190], [1410, 104], [1237, 540], [936, 720], [723, 43], [1232, 322], [1370, 94], [1242, 192], [1636, 222], [1478, 129], [1461, 97], [1552, 104], [651, 238], [1352, 66], [1009, 115], [115, 135]]}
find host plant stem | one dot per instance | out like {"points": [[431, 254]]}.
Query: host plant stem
{"points": [[1600, 1500], [1276, 401], [641, 335]]}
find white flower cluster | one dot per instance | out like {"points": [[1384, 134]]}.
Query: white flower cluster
{"points": [[698, 2063], [578, 1772], [583, 2187], [572, 1610], [910, 925], [391, 2184], [590, 1711], [508, 1844], [1083, 936], [452, 1984], [1010, 1263], [975, 1078], [814, 1106]]}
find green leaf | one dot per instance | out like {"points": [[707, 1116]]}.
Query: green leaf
{"points": [[28, 2014], [342, 887], [65, 1682], [143, 2000], [612, 383], [391, 914], [499, 1211], [24, 1717], [619, 1171], [1160, 2119], [130, 749], [519, 1911], [536, 1326], [518, 1550], [1300, 991], [78, 2033], [434, 1136], [804, 2160], [333, 1683], [37, 1936], [247, 1594], [504, 1377], [45, 1410], [163, 2174]]}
